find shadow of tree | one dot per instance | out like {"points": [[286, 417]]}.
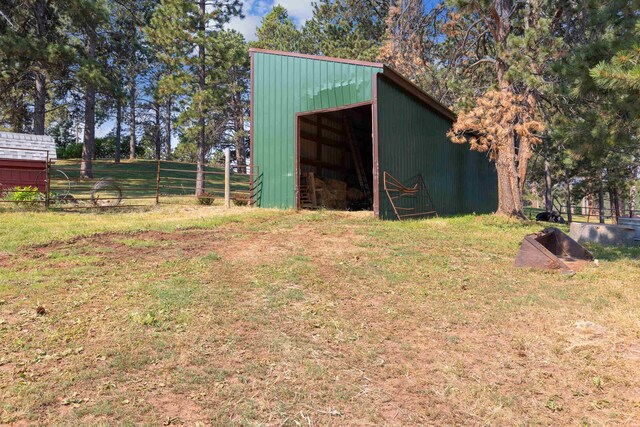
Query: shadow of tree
{"points": [[614, 253]]}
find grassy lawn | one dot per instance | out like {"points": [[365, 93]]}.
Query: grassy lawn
{"points": [[196, 315]]}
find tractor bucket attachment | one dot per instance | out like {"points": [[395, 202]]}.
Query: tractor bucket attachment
{"points": [[551, 249]]}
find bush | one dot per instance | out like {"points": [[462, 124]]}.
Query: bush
{"points": [[240, 199], [26, 197], [72, 151], [206, 199], [104, 149]]}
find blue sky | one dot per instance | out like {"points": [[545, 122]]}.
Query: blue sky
{"points": [[299, 11], [254, 10]]}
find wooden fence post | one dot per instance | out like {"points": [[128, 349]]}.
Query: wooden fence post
{"points": [[227, 185]]}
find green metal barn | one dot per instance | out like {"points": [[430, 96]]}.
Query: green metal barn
{"points": [[357, 135]]}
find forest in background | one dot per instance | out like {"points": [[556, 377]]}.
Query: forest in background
{"points": [[547, 88]]}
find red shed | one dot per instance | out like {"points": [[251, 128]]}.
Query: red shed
{"points": [[23, 159]]}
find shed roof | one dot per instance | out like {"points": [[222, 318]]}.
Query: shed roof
{"points": [[22, 146], [387, 71]]}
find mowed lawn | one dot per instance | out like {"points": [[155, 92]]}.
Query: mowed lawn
{"points": [[187, 315]]}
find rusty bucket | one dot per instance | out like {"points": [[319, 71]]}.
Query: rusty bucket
{"points": [[551, 249]]}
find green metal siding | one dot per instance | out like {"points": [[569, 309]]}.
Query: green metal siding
{"points": [[412, 139], [282, 87]]}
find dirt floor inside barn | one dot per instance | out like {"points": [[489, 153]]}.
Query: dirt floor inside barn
{"points": [[256, 317]]}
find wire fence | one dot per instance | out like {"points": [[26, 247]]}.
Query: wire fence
{"points": [[65, 185]]}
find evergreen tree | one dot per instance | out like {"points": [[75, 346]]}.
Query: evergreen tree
{"points": [[186, 34], [622, 72], [508, 119], [351, 29], [92, 76], [35, 49], [238, 93], [278, 32], [599, 124]]}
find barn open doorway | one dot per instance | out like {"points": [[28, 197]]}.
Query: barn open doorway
{"points": [[334, 164]]}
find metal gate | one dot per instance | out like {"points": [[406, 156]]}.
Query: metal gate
{"points": [[126, 184]]}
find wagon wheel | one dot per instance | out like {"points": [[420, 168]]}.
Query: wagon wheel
{"points": [[59, 183], [106, 193]]}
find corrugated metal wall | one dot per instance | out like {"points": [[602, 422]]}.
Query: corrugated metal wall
{"points": [[284, 86], [412, 140]]}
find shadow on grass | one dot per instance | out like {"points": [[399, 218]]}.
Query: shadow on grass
{"points": [[614, 253]]}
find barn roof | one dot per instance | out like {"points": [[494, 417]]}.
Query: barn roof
{"points": [[22, 146], [386, 71]]}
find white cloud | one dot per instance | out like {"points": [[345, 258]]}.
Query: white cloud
{"points": [[299, 11], [246, 27]]}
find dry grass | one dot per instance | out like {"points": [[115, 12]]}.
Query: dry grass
{"points": [[278, 318]]}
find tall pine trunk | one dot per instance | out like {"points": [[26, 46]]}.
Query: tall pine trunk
{"points": [[614, 203], [508, 163], [568, 204], [118, 129], [40, 96], [202, 86], [40, 102], [241, 160], [534, 192], [509, 195], [76, 118], [633, 191], [167, 124], [601, 199], [132, 119], [157, 131], [548, 185], [88, 143]]}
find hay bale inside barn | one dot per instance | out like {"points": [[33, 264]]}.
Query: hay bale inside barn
{"points": [[345, 134]]}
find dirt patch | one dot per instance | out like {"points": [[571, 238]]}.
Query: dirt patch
{"points": [[172, 409], [253, 247], [4, 259]]}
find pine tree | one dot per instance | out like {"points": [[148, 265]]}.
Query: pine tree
{"points": [[34, 50], [278, 32], [185, 34], [622, 72], [507, 120], [238, 93], [347, 28], [91, 75], [598, 82]]}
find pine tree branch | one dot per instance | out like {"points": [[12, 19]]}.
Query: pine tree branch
{"points": [[7, 19], [480, 61]]}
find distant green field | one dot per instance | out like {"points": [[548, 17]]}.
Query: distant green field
{"points": [[138, 179]]}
